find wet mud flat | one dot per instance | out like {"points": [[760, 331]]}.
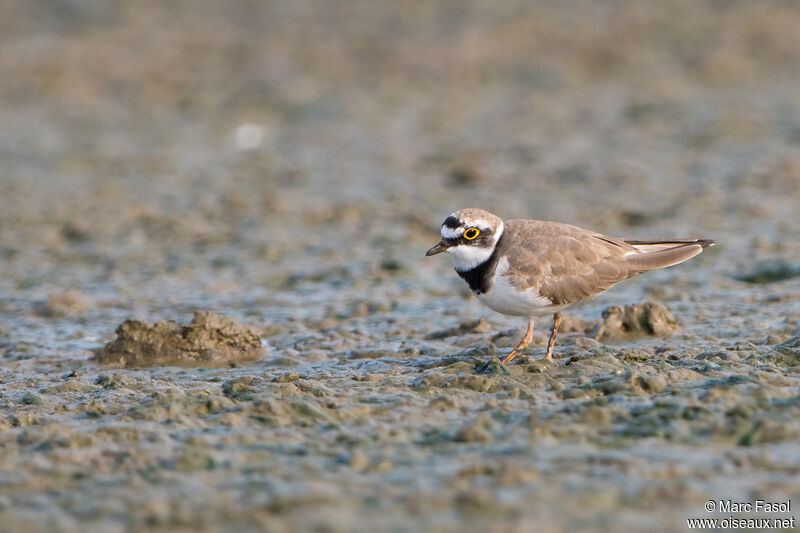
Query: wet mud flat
{"points": [[325, 434], [215, 313]]}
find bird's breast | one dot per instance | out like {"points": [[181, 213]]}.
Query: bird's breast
{"points": [[506, 298]]}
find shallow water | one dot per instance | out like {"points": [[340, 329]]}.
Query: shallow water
{"points": [[125, 195]]}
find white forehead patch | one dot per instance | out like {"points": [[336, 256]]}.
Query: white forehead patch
{"points": [[450, 233]]}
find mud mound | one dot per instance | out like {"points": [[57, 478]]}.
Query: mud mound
{"points": [[210, 340], [628, 321]]}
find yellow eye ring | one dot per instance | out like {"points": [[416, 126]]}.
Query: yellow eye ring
{"points": [[471, 233]]}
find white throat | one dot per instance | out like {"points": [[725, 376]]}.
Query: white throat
{"points": [[466, 257]]}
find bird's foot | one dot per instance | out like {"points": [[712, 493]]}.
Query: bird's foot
{"points": [[510, 357]]}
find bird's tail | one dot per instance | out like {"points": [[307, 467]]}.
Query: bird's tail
{"points": [[651, 255]]}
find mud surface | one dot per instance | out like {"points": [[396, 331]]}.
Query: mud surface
{"points": [[285, 165]]}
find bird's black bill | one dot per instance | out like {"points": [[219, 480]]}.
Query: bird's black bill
{"points": [[440, 247]]}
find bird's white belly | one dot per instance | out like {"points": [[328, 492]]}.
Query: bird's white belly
{"points": [[507, 299]]}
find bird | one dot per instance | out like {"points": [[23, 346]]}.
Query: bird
{"points": [[536, 268]]}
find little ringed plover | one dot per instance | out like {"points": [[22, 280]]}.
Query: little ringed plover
{"points": [[534, 268]]}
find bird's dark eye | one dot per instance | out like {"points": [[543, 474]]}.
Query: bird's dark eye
{"points": [[471, 233]]}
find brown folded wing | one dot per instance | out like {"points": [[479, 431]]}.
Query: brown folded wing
{"points": [[565, 263]]}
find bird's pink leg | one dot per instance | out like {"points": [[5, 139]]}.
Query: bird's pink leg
{"points": [[526, 340], [552, 342]]}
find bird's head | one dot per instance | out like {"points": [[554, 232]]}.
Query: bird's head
{"points": [[469, 236]]}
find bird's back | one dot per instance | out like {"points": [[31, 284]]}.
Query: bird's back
{"points": [[565, 263]]}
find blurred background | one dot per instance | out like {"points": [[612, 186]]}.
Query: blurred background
{"points": [[290, 162], [259, 131]]}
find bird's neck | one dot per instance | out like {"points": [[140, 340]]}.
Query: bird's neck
{"points": [[479, 276], [466, 257]]}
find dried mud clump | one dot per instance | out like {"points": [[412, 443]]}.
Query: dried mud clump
{"points": [[627, 321], [210, 340]]}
